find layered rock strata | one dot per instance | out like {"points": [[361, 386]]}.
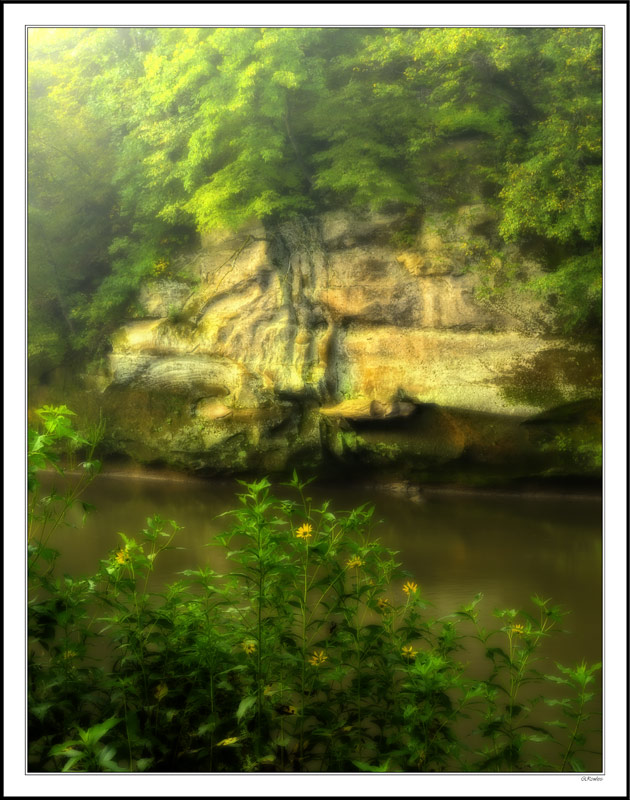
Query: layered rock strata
{"points": [[328, 341]]}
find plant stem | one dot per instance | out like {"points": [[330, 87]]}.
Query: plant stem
{"points": [[259, 688], [127, 731], [303, 680], [574, 734], [358, 645]]}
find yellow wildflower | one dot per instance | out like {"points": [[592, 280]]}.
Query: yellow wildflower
{"points": [[68, 654], [354, 562], [160, 267], [318, 658], [161, 690], [410, 588], [409, 652], [230, 740], [304, 531], [383, 604], [249, 647], [518, 629], [122, 556]]}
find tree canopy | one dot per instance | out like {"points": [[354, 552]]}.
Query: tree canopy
{"points": [[138, 138]]}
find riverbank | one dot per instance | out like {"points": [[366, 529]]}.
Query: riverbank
{"points": [[410, 490]]}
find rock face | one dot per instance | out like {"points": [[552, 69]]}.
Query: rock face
{"points": [[326, 341]]}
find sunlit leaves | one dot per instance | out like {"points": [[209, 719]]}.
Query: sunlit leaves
{"points": [[139, 133], [284, 658]]}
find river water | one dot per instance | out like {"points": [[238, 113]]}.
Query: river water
{"points": [[455, 544]]}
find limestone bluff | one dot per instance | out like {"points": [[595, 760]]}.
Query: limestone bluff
{"points": [[343, 341]]}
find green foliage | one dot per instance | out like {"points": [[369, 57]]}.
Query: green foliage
{"points": [[85, 754], [573, 708], [176, 315], [555, 188], [553, 378], [575, 289], [313, 651], [581, 445], [139, 137], [71, 196], [57, 445]]}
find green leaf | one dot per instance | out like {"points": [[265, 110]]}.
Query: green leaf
{"points": [[244, 706], [365, 767], [576, 764], [111, 766], [106, 753], [71, 762], [96, 732], [65, 749], [40, 710]]}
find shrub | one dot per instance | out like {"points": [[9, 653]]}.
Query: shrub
{"points": [[314, 652]]}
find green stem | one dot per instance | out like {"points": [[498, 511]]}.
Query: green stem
{"points": [[69, 501], [358, 646], [259, 687], [212, 712], [303, 680], [139, 653], [574, 734], [127, 731]]}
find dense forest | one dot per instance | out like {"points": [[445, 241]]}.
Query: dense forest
{"points": [[141, 138]]}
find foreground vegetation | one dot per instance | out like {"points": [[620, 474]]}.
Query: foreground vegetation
{"points": [[314, 652]]}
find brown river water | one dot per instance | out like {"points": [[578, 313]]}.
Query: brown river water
{"points": [[455, 544]]}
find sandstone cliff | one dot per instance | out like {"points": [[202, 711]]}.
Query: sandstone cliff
{"points": [[340, 340]]}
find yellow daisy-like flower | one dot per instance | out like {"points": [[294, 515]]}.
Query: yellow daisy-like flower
{"points": [[384, 604], [355, 561], [230, 740], [122, 556], [68, 654], [249, 647], [304, 531], [318, 658], [410, 588], [518, 629], [409, 652]]}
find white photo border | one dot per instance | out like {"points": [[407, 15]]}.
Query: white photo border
{"points": [[613, 18]]}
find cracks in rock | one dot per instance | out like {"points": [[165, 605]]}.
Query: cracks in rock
{"points": [[333, 356], [205, 276], [298, 254]]}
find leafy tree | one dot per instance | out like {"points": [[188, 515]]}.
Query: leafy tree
{"points": [[140, 137], [69, 194], [72, 138]]}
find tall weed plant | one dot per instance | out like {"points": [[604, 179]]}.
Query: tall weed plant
{"points": [[314, 652]]}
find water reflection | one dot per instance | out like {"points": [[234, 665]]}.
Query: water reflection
{"points": [[508, 548]]}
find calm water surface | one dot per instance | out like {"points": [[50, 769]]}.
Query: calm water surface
{"points": [[455, 545]]}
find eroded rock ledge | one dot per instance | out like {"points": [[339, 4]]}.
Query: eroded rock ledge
{"points": [[324, 341]]}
